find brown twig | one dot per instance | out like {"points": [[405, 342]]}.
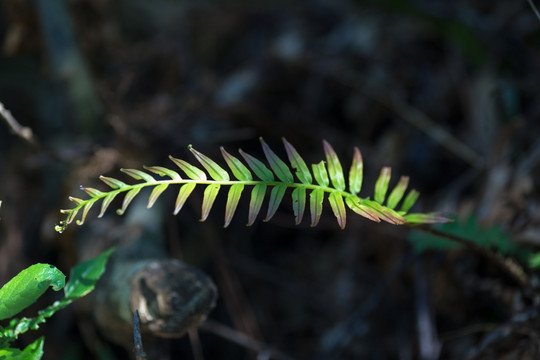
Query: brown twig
{"points": [[23, 132], [243, 339], [510, 267], [139, 352]]}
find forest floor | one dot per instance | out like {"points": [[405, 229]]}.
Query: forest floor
{"points": [[444, 92]]}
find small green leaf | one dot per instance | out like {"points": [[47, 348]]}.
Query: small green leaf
{"points": [[128, 198], [257, 197], [316, 198], [86, 209], [91, 191], [299, 203], [385, 213], [429, 218], [113, 183], [232, 202], [276, 196], [192, 172], [209, 197], [138, 175], [280, 168], [355, 204], [76, 200], [397, 194], [83, 276], [33, 351], [258, 167], [409, 201], [240, 171], [298, 164], [106, 202], [320, 173], [216, 172], [338, 207], [356, 174], [155, 194], [334, 167], [27, 286], [183, 195], [163, 171], [381, 186]]}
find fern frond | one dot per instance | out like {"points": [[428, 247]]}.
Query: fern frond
{"points": [[277, 176]]}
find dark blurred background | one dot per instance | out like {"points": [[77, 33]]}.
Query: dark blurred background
{"points": [[446, 92]]}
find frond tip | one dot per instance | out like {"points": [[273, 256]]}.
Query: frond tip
{"points": [[276, 175]]}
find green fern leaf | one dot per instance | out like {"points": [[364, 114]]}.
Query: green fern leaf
{"points": [[235, 192], [321, 175], [381, 186], [138, 175], [299, 204], [276, 195], [192, 172], [338, 207], [216, 172], [397, 194], [277, 176], [240, 171], [356, 174], [257, 197], [258, 167], [209, 197], [302, 171], [278, 166], [334, 167], [316, 198], [183, 194]]}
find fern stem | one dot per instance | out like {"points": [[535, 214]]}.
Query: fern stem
{"points": [[509, 266]]}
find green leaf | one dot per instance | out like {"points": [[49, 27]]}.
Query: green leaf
{"points": [[385, 213], [209, 197], [356, 174], [113, 183], [409, 201], [334, 167], [138, 175], [299, 203], [240, 171], [34, 351], [316, 198], [155, 194], [258, 167], [321, 176], [128, 198], [397, 194], [338, 207], [276, 196], [106, 202], [257, 197], [183, 195], [28, 285], [235, 192], [216, 172], [84, 276], [192, 172], [355, 204], [278, 166], [426, 219], [381, 186], [298, 164], [86, 209], [92, 192], [163, 171]]}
